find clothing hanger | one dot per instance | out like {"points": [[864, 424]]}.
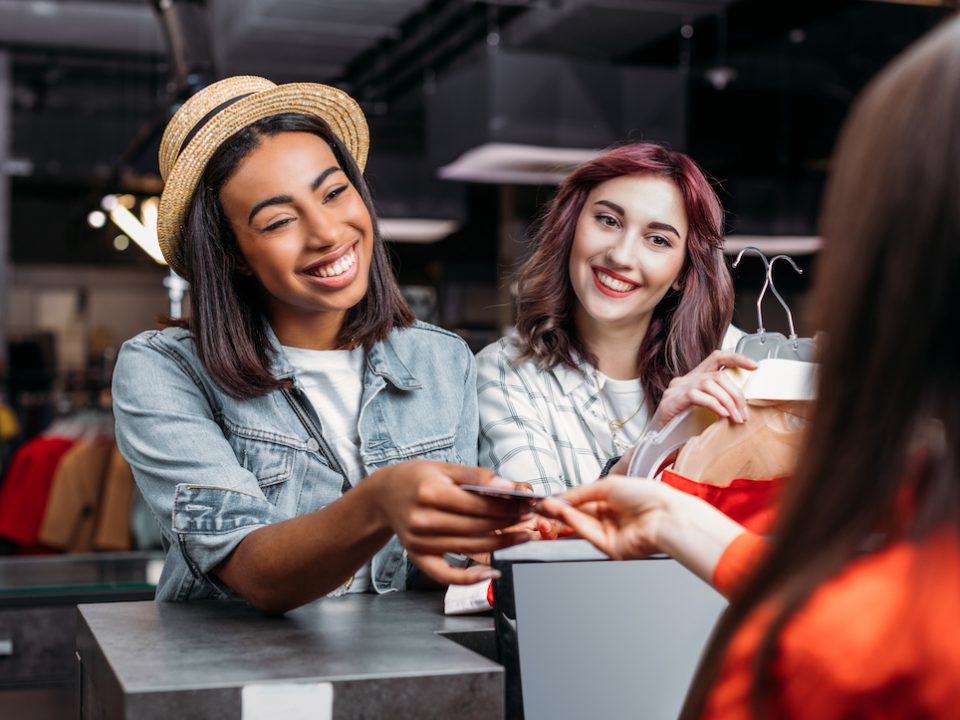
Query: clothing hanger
{"points": [[656, 448], [761, 344], [785, 373], [792, 347]]}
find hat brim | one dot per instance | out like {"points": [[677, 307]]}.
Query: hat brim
{"points": [[337, 109]]}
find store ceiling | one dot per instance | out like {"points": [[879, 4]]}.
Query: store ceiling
{"points": [[109, 61], [768, 82]]}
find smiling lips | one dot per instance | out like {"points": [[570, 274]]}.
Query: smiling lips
{"points": [[612, 284], [337, 272]]}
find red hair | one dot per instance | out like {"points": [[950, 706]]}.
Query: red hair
{"points": [[686, 326]]}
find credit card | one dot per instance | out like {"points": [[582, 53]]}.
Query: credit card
{"points": [[502, 492]]}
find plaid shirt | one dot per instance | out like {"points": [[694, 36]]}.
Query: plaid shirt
{"points": [[547, 427]]}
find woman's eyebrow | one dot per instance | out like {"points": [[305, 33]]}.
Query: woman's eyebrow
{"points": [[323, 176], [612, 205], [275, 200], [653, 226], [663, 226], [281, 199]]}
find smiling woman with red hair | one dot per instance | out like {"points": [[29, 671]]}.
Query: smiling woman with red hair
{"points": [[620, 311]]}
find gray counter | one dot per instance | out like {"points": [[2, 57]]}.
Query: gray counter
{"points": [[393, 656]]}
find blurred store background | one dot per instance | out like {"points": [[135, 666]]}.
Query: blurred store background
{"points": [[476, 108]]}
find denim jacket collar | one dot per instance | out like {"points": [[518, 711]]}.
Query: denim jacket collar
{"points": [[382, 360]]}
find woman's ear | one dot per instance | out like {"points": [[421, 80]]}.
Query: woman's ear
{"points": [[677, 285]]}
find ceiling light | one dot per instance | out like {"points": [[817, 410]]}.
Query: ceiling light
{"points": [[43, 8], [416, 230], [142, 231], [720, 76], [96, 219], [516, 164], [773, 244]]}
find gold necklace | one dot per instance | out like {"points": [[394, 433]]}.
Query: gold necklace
{"points": [[614, 423]]}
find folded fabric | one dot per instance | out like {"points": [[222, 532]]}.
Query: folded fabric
{"points": [[467, 599], [70, 518], [751, 502], [24, 495], [113, 523]]}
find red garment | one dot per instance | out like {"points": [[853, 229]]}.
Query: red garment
{"points": [[879, 640], [23, 496], [752, 503]]}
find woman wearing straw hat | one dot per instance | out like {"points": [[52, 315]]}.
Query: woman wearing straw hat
{"points": [[301, 430]]}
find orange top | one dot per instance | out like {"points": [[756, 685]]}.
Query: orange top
{"points": [[881, 639]]}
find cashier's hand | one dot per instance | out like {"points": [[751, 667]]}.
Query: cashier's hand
{"points": [[424, 505], [707, 385], [620, 515], [536, 528]]}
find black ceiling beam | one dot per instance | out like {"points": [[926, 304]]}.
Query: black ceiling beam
{"points": [[427, 41]]}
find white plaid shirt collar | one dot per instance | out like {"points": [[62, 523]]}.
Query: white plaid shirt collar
{"points": [[571, 379]]}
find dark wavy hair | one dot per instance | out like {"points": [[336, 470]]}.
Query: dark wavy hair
{"points": [[227, 315], [886, 425], [687, 325]]}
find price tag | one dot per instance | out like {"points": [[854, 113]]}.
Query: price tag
{"points": [[287, 701]]}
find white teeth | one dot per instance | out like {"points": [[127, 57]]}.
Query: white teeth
{"points": [[613, 283], [337, 268]]}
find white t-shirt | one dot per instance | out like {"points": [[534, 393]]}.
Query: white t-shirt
{"points": [[333, 382], [622, 398]]}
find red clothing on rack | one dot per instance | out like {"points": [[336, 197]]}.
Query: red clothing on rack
{"points": [[879, 640], [24, 494]]}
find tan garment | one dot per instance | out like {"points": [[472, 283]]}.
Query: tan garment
{"points": [[70, 517], [113, 522], [762, 448]]}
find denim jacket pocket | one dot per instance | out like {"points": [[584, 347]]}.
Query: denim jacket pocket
{"points": [[270, 461], [441, 449]]}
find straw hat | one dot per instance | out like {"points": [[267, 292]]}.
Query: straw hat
{"points": [[218, 111]]}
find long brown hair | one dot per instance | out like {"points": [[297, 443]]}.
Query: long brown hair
{"points": [[227, 319], [686, 326], [886, 297]]}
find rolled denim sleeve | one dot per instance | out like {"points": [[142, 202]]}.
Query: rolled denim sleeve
{"points": [[515, 442], [205, 501]]}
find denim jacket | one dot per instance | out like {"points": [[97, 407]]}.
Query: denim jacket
{"points": [[213, 468]]}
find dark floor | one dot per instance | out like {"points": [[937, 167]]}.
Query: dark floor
{"points": [[56, 703]]}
